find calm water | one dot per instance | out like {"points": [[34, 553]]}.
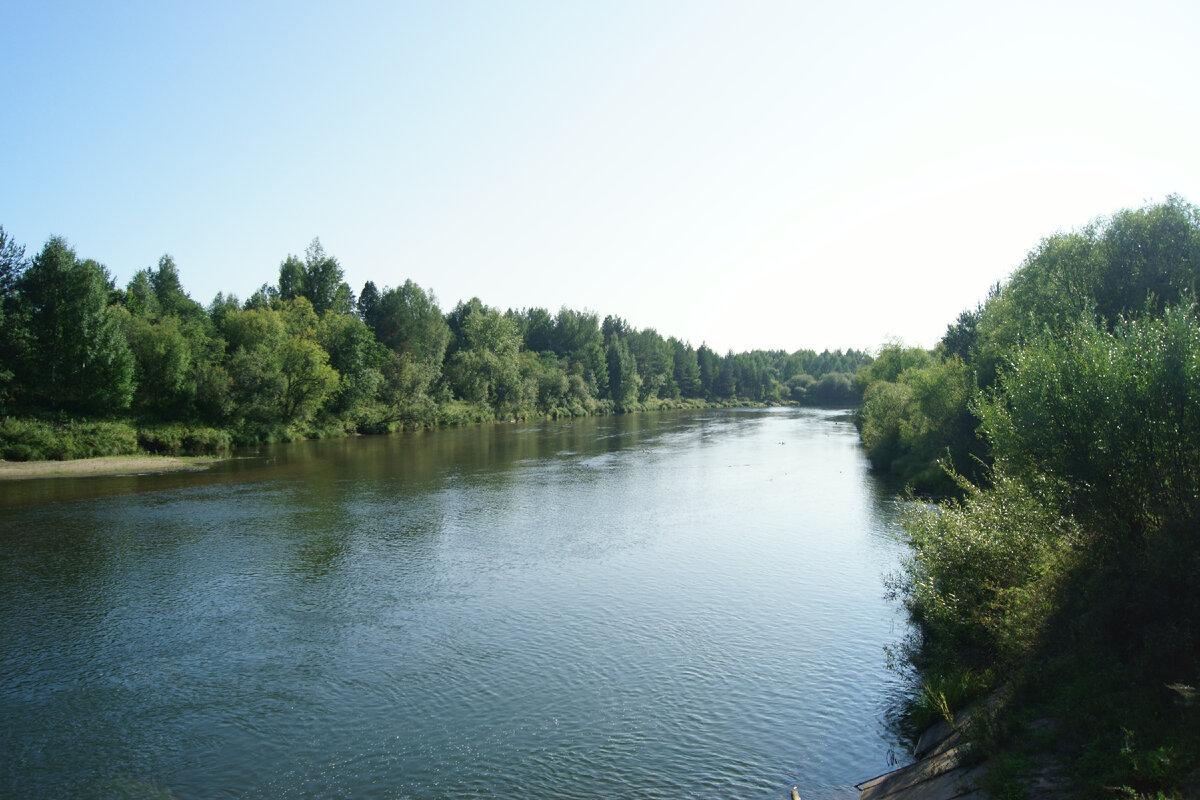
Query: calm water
{"points": [[652, 606]]}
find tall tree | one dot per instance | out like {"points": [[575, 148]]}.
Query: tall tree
{"points": [[623, 379], [80, 359], [709, 363], [12, 265], [172, 299], [686, 368], [486, 366], [356, 356], [319, 278], [368, 303]]}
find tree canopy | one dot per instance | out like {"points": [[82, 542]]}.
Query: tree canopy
{"points": [[304, 354]]}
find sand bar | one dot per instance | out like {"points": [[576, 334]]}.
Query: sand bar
{"points": [[106, 465]]}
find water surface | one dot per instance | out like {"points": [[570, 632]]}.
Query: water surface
{"points": [[680, 605]]}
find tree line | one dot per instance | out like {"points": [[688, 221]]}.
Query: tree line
{"points": [[1062, 417], [306, 356]]}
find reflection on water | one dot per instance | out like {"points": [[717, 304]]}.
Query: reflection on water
{"points": [[655, 605]]}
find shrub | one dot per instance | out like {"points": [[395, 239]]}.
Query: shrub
{"points": [[180, 440], [1109, 422], [979, 580], [37, 440], [458, 412]]}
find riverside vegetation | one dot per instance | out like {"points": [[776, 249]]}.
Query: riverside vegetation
{"points": [[89, 369], [1061, 417]]}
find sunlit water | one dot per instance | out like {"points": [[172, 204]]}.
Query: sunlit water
{"points": [[652, 606]]}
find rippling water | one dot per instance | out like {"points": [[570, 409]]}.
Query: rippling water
{"points": [[653, 606]]}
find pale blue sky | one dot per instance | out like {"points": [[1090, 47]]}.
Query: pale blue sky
{"points": [[750, 174]]}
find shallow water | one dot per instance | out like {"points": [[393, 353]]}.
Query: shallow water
{"points": [[647, 606]]}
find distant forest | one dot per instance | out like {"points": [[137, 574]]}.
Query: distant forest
{"points": [[306, 357]]}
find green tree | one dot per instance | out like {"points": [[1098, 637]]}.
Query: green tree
{"points": [[408, 322], [655, 364], [163, 368], [1108, 423], [78, 358], [368, 304], [12, 266], [725, 381], [139, 296], [537, 330], [319, 278], [920, 425], [485, 367], [280, 375], [578, 338], [709, 364], [355, 355], [832, 390], [12, 263], [623, 379], [685, 368], [168, 290], [307, 378]]}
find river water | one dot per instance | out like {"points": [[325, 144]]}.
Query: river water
{"points": [[676, 605]]}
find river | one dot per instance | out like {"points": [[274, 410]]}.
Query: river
{"points": [[674, 605]]}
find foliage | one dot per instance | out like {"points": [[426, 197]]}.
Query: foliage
{"points": [[1112, 419], [1134, 264], [408, 323], [318, 279], [70, 351], [302, 357], [12, 266], [162, 363], [484, 367], [1068, 570], [356, 356], [919, 427], [183, 440], [24, 439], [833, 389], [978, 580], [623, 378]]}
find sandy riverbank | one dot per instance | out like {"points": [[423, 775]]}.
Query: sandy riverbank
{"points": [[107, 465]]}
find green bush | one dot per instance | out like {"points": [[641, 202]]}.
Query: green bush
{"points": [[458, 412], [184, 440], [1109, 420], [1074, 575], [978, 582], [41, 440], [26, 440]]}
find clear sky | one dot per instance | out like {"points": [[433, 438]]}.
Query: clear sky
{"points": [[747, 174]]}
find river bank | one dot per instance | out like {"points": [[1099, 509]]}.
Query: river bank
{"points": [[948, 766], [103, 466]]}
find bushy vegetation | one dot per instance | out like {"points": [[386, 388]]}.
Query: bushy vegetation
{"points": [[1066, 570], [182, 440], [304, 358], [42, 440]]}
